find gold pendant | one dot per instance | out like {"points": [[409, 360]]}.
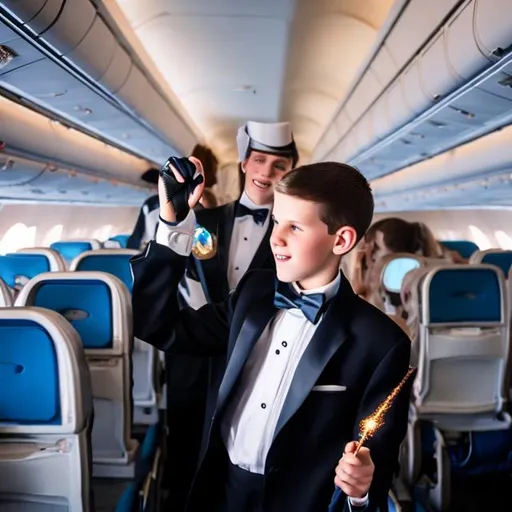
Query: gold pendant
{"points": [[204, 246]]}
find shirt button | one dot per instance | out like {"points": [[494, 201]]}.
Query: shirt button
{"points": [[284, 344], [278, 352], [245, 238], [263, 406], [237, 268]]}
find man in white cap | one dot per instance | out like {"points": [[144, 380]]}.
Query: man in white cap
{"points": [[242, 228]]}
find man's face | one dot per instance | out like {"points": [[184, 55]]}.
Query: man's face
{"points": [[262, 172]]}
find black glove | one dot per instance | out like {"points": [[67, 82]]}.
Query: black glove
{"points": [[178, 193]]}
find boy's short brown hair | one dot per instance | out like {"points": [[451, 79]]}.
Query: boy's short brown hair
{"points": [[342, 191]]}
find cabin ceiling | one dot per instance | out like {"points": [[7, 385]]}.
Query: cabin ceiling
{"points": [[229, 61]]}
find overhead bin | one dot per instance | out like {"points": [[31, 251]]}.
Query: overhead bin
{"points": [[81, 39], [118, 70], [423, 104], [25, 10], [25, 131], [99, 42], [42, 19], [74, 21], [18, 171]]}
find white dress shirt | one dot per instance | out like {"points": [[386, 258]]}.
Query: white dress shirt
{"points": [[245, 240], [251, 417]]}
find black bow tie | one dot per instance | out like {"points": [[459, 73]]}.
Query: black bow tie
{"points": [[259, 215], [312, 305]]}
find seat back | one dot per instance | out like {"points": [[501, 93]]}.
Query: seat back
{"points": [[463, 348], [497, 257], [70, 249], [45, 413], [16, 269], [5, 295], [144, 356], [113, 261], [464, 247], [55, 261], [116, 242], [98, 306]]}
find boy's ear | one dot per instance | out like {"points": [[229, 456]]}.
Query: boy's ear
{"points": [[345, 240]]}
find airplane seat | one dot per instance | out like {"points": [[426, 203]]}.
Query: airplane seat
{"points": [[98, 306], [460, 386], [146, 364], [5, 295], [497, 257], [55, 261], [45, 414], [464, 247], [16, 269], [70, 249], [116, 242]]}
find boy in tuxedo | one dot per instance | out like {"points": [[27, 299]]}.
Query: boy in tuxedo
{"points": [[307, 359]]}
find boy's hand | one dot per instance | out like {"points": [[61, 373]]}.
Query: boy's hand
{"points": [[166, 208], [354, 474]]}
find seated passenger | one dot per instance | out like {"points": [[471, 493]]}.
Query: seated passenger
{"points": [[389, 236], [307, 359]]}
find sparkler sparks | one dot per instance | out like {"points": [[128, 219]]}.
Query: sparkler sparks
{"points": [[369, 426]]}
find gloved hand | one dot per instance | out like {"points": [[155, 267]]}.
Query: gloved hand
{"points": [[178, 193]]}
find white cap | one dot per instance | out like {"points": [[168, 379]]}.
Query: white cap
{"points": [[276, 138]]}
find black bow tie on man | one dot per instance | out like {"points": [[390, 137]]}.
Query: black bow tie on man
{"points": [[259, 215]]}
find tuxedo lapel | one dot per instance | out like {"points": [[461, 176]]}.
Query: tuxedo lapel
{"points": [[224, 236], [328, 338], [263, 257], [253, 326], [214, 270]]}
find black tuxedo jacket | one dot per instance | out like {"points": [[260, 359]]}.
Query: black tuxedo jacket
{"points": [[212, 273], [355, 347]]}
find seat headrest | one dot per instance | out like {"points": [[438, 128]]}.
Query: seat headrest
{"points": [[43, 367], [97, 304], [70, 249], [497, 257], [17, 268], [464, 247], [475, 294], [113, 261], [120, 240], [55, 261]]}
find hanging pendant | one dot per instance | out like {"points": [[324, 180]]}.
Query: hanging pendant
{"points": [[204, 246]]}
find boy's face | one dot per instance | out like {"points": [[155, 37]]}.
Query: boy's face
{"points": [[303, 249], [262, 172]]}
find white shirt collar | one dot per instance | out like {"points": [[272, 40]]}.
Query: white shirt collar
{"points": [[249, 203], [329, 290]]}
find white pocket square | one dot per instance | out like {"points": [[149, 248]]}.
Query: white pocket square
{"points": [[329, 387]]}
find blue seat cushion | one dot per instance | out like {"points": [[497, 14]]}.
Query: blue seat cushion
{"points": [[464, 247], [87, 305], [115, 264], [29, 375], [122, 239], [502, 260], [24, 265], [70, 250], [472, 293]]}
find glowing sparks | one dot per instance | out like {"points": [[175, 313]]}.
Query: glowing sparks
{"points": [[369, 426]]}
